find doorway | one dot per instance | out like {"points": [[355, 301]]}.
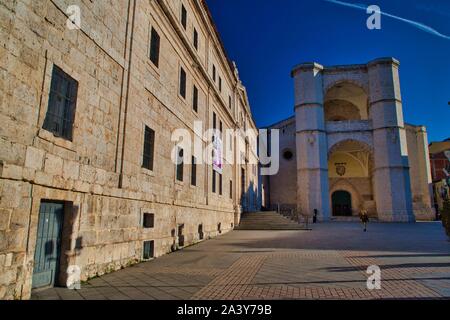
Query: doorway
{"points": [[48, 244], [342, 204]]}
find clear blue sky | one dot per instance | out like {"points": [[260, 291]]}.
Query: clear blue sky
{"points": [[267, 38]]}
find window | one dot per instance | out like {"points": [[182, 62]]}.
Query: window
{"points": [[149, 249], [220, 127], [148, 220], [154, 47], [195, 99], [229, 102], [183, 83], [288, 155], [220, 84], [231, 189], [180, 164], [149, 146], [220, 184], [201, 235], [183, 17], [61, 104], [194, 172], [214, 121], [214, 73], [214, 181], [195, 39]]}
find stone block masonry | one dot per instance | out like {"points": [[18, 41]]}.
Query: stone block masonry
{"points": [[94, 166]]}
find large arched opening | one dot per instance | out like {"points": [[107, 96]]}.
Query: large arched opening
{"points": [[350, 175], [346, 101]]}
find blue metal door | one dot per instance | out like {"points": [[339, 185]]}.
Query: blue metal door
{"points": [[48, 244]]}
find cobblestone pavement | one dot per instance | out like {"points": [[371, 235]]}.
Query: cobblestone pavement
{"points": [[329, 262]]}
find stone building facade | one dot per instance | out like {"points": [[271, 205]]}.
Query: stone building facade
{"points": [[440, 171], [347, 148], [86, 174]]}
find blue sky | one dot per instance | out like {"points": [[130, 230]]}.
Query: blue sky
{"points": [[267, 38]]}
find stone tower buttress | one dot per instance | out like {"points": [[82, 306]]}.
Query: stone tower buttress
{"points": [[311, 141], [393, 194]]}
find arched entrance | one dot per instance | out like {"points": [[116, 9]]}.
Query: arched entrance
{"points": [[341, 203]]}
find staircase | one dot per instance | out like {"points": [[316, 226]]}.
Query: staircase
{"points": [[267, 220]]}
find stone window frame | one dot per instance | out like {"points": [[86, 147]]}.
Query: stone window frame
{"points": [[43, 105]]}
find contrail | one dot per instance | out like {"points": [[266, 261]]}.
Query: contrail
{"points": [[418, 25]]}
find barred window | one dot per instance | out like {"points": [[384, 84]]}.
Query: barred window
{"points": [[61, 105], [183, 83], [194, 172], [180, 164], [154, 47], [183, 17], [195, 99], [149, 147], [195, 39]]}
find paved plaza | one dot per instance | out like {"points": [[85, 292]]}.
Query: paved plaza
{"points": [[329, 262]]}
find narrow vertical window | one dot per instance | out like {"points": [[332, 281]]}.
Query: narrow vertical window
{"points": [[214, 73], [194, 172], [195, 99], [221, 127], [154, 47], [183, 83], [180, 164], [183, 17], [220, 84], [220, 184], [195, 39], [231, 189], [61, 104], [214, 121], [149, 146], [229, 102], [214, 181]]}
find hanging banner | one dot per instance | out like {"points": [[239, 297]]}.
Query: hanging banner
{"points": [[218, 154]]}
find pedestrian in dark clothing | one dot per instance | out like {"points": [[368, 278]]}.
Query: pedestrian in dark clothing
{"points": [[315, 216], [364, 219]]}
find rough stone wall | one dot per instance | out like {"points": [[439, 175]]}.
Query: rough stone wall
{"points": [[283, 186], [105, 190], [420, 172]]}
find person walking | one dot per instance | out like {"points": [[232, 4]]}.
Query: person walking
{"points": [[364, 218]]}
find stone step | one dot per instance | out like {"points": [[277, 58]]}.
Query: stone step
{"points": [[267, 220]]}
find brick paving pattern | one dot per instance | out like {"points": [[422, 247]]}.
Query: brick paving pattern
{"points": [[329, 262]]}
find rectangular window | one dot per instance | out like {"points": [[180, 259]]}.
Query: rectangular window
{"points": [[220, 184], [220, 84], [195, 99], [148, 220], [194, 172], [214, 181], [195, 39], [229, 102], [61, 104], [183, 17], [149, 147], [214, 73], [149, 249], [214, 121], [180, 164], [221, 127], [183, 83], [231, 189], [154, 47]]}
